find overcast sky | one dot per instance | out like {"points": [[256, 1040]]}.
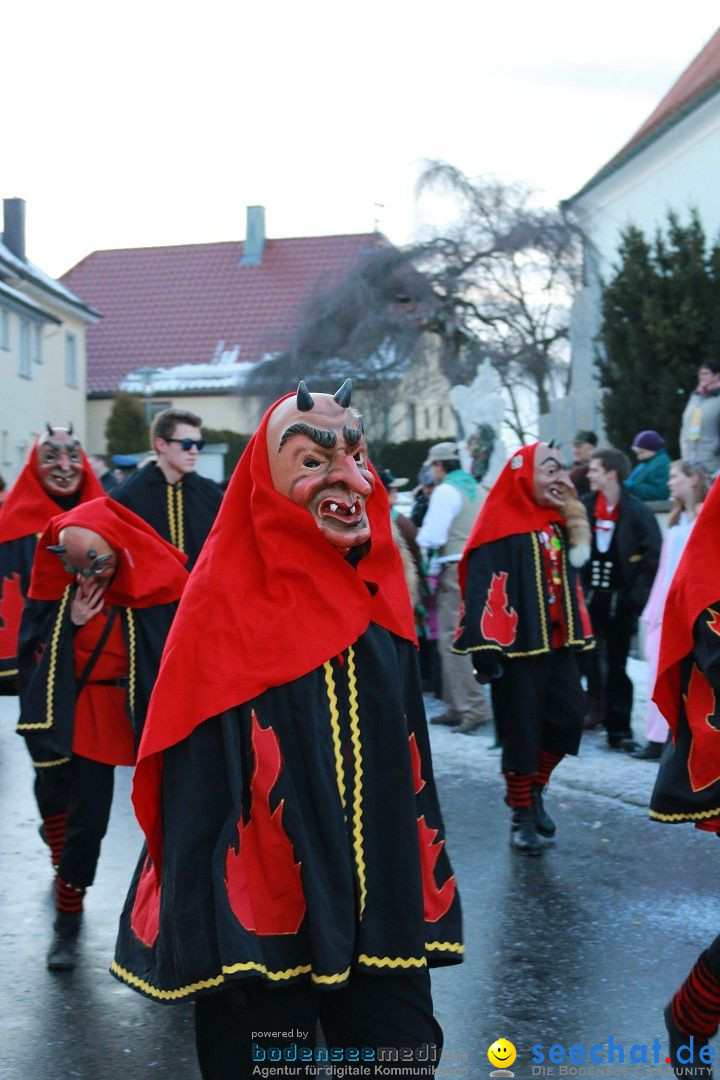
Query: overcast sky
{"points": [[158, 122]]}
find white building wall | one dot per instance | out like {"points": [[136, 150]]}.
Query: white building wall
{"points": [[678, 171]]}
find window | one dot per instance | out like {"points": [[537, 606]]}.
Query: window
{"points": [[4, 328], [71, 376], [24, 369], [37, 340]]}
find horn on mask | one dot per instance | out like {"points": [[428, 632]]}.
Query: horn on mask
{"points": [[305, 400], [343, 395]]}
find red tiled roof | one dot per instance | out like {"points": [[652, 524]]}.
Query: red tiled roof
{"points": [[164, 306], [702, 74]]}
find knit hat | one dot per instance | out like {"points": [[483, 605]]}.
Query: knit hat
{"points": [[648, 440], [583, 435]]}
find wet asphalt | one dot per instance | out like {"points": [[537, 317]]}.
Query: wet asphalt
{"points": [[580, 946]]}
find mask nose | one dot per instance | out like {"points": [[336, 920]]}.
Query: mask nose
{"points": [[346, 471]]}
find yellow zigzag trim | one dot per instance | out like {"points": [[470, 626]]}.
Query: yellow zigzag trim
{"points": [[8, 672], [48, 722], [698, 815], [172, 527], [131, 660], [230, 969], [49, 764], [444, 946], [357, 784], [163, 995], [537, 557], [335, 726], [393, 961], [180, 517]]}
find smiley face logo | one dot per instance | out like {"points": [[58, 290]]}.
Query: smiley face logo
{"points": [[502, 1053]]}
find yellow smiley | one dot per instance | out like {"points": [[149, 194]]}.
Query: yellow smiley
{"points": [[502, 1053]]}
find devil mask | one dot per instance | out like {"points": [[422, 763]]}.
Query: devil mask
{"points": [[318, 459], [551, 482], [60, 462]]}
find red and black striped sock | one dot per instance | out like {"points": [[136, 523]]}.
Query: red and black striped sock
{"points": [[546, 764], [54, 835], [696, 1006], [68, 897], [519, 789]]}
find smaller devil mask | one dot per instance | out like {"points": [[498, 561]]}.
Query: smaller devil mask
{"points": [[318, 459], [551, 483], [87, 556], [60, 463]]}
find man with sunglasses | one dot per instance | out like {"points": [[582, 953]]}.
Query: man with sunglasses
{"points": [[170, 495]]}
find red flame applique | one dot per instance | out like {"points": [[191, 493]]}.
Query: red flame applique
{"points": [[714, 621], [582, 608], [498, 622], [145, 915], [436, 901], [418, 782], [704, 756], [262, 879], [11, 609]]}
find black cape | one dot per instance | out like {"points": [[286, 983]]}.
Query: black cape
{"points": [[687, 787], [303, 839], [183, 513], [47, 671], [507, 612]]}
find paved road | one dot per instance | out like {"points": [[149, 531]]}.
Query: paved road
{"points": [[581, 945]]}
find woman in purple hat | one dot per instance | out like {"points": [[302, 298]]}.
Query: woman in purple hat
{"points": [[649, 479]]}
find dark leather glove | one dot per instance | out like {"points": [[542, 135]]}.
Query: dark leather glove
{"points": [[486, 669]]}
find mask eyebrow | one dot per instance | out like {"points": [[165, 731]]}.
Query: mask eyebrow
{"points": [[325, 439], [552, 461], [352, 436]]}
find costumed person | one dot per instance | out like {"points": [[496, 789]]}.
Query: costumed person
{"points": [[687, 788], [55, 477], [524, 618], [102, 595], [688, 488], [451, 514], [169, 494], [626, 544], [296, 863]]}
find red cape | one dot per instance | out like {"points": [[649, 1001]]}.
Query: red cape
{"points": [[269, 600], [28, 507], [509, 508], [694, 587], [150, 571]]}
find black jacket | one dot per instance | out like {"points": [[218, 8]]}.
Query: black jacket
{"points": [[637, 543]]}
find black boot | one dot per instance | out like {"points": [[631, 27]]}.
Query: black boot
{"points": [[523, 832], [61, 956], [543, 822]]}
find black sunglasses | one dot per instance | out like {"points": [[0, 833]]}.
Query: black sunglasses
{"points": [[187, 444]]}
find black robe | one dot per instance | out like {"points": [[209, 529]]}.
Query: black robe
{"points": [[687, 788], [183, 513], [302, 839], [507, 613], [47, 671]]}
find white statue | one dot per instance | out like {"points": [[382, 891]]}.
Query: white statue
{"points": [[480, 407]]}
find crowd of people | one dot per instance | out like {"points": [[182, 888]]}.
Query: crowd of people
{"points": [[295, 870]]}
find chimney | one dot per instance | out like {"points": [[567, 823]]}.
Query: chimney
{"points": [[14, 226], [254, 237]]}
